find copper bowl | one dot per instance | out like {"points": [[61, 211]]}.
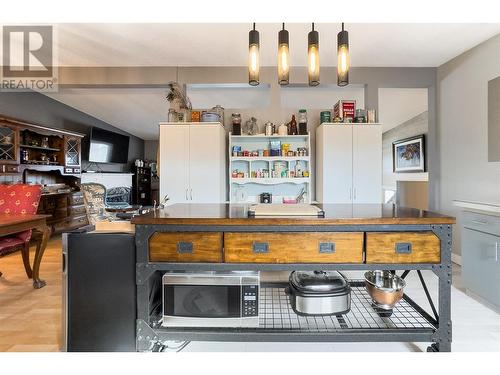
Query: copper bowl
{"points": [[385, 288]]}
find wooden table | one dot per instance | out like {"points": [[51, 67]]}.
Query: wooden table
{"points": [[15, 223]]}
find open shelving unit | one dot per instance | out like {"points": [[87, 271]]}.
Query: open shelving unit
{"points": [[276, 317], [247, 189]]}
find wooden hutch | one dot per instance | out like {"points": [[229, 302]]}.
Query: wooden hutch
{"points": [[50, 157]]}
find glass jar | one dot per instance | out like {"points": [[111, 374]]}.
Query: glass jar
{"points": [[172, 115], [302, 122], [302, 118], [236, 122], [220, 111]]}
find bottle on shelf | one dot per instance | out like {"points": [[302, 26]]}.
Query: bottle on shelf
{"points": [[302, 122], [292, 126]]}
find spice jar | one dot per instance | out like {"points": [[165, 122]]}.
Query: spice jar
{"points": [[236, 121], [302, 122]]}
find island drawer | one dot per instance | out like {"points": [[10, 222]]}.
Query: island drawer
{"points": [[315, 247], [402, 247], [203, 247]]}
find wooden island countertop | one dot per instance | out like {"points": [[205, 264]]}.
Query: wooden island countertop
{"points": [[335, 214]]}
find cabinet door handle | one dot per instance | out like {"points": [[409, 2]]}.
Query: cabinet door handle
{"points": [[354, 193], [191, 193], [350, 194], [480, 222], [187, 194]]}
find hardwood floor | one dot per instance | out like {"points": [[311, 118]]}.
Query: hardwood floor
{"points": [[30, 319]]}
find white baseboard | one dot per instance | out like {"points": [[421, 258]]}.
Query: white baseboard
{"points": [[455, 258]]}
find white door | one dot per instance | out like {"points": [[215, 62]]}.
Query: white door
{"points": [[206, 153], [367, 163], [337, 164], [174, 163]]}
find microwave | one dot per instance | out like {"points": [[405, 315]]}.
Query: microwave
{"points": [[211, 299]]}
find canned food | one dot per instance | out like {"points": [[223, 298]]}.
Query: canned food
{"points": [[325, 116], [195, 116]]}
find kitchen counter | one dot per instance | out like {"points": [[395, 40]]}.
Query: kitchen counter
{"points": [[335, 214], [222, 237]]}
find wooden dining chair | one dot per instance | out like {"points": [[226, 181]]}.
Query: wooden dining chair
{"points": [[19, 199]]}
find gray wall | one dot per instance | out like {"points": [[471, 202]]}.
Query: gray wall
{"points": [[150, 149], [40, 109], [414, 126], [465, 173]]}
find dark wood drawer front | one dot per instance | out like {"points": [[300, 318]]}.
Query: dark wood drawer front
{"points": [[78, 221], [71, 223], [76, 210], [402, 247], [75, 199], [186, 247], [340, 247], [9, 168]]}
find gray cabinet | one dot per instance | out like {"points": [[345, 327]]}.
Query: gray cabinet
{"points": [[480, 256]]}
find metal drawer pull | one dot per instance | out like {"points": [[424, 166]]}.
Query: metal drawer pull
{"points": [[185, 247], [480, 222], [260, 247], [327, 247], [403, 248]]}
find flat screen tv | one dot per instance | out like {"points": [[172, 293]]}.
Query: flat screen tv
{"points": [[107, 147]]}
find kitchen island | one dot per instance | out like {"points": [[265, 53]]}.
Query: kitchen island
{"points": [[217, 237]]}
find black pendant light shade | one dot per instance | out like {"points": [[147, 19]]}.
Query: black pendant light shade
{"points": [[343, 57], [313, 57], [283, 57], [253, 57]]}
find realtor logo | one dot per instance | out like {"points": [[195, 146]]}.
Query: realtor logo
{"points": [[28, 58]]}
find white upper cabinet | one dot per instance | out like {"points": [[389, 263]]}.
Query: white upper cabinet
{"points": [[349, 163], [207, 172], [367, 163], [193, 163], [174, 162], [334, 164]]}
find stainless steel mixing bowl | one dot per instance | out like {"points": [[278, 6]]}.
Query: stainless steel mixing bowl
{"points": [[385, 288]]}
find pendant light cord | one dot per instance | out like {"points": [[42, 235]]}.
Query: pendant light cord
{"points": [[313, 26], [254, 26], [342, 26]]}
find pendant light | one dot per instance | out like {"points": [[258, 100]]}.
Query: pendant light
{"points": [[253, 57], [313, 57], [343, 57], [283, 57]]}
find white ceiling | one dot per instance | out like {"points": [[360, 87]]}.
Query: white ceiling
{"points": [[137, 111], [399, 105], [225, 44]]}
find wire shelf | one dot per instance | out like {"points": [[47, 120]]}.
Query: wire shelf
{"points": [[276, 313]]}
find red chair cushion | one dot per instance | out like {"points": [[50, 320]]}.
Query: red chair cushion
{"points": [[9, 242], [18, 199]]}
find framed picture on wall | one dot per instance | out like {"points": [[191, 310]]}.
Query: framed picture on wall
{"points": [[408, 155]]}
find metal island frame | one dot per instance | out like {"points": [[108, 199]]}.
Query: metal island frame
{"points": [[408, 321]]}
